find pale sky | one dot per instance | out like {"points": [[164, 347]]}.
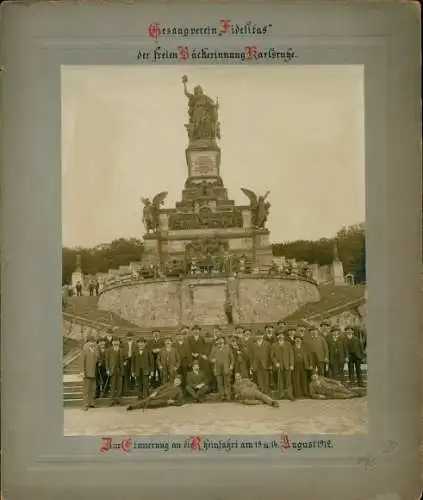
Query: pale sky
{"points": [[297, 131]]}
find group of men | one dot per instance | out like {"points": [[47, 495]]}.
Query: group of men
{"points": [[279, 362]]}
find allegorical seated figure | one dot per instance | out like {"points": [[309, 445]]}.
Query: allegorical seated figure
{"points": [[166, 395], [327, 388], [247, 393]]}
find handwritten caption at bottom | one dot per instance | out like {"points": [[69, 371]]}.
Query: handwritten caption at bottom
{"points": [[203, 444]]}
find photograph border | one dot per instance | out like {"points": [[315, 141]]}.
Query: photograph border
{"points": [[31, 239]]}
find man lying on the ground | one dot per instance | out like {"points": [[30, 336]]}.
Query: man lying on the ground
{"points": [[166, 395], [196, 385], [247, 393], [326, 388]]}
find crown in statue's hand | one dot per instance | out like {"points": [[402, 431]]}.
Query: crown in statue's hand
{"points": [[184, 79]]}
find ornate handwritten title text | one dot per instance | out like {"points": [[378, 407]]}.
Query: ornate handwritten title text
{"points": [[224, 27]]}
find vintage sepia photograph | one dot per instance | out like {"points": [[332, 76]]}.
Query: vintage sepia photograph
{"points": [[214, 266]]}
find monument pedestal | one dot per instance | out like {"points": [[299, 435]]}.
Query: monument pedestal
{"points": [[338, 273], [77, 277]]}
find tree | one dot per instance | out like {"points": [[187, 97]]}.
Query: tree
{"points": [[351, 244], [101, 258], [352, 251]]}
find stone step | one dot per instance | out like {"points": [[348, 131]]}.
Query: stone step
{"points": [[73, 387], [72, 396], [73, 370]]}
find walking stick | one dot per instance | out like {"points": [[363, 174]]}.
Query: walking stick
{"points": [[107, 381], [102, 386]]}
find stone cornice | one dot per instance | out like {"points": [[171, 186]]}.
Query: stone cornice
{"points": [[219, 232]]}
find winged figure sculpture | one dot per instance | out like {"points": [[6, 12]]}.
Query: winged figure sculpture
{"points": [[150, 213], [258, 206]]}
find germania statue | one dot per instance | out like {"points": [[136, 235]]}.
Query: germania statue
{"points": [[203, 114]]}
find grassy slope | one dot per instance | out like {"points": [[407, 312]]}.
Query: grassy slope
{"points": [[331, 297]]}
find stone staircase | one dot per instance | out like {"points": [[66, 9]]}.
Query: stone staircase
{"points": [[86, 308]]}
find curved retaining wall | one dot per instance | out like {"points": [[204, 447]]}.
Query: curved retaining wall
{"points": [[172, 302]]}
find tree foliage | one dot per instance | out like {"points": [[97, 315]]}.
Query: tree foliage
{"points": [[101, 258], [350, 241], [351, 249]]}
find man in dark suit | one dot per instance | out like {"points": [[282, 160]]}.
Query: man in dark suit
{"points": [[184, 353], [269, 334], [302, 367], [197, 386], [246, 392], [165, 395], [168, 361], [282, 358], [260, 362], [155, 345], [197, 345], [223, 363], [337, 356], [326, 388], [142, 367], [89, 365], [101, 373], [114, 367], [109, 338], [319, 352], [290, 335], [128, 351], [325, 331], [355, 353]]}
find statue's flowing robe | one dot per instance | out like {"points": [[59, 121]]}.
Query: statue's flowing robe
{"points": [[203, 116]]}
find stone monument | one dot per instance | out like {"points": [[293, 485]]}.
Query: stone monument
{"points": [[337, 268], [207, 260], [77, 275], [205, 224]]}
